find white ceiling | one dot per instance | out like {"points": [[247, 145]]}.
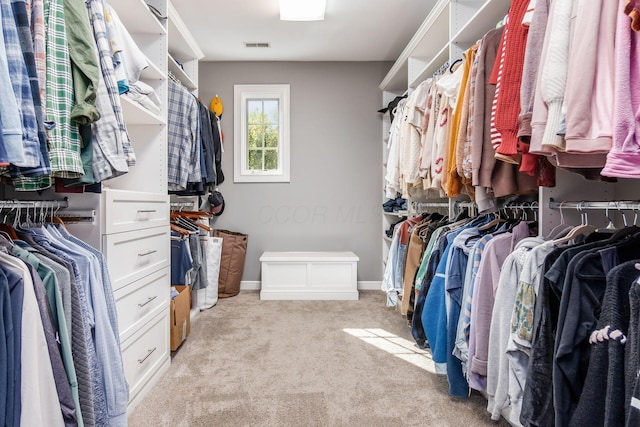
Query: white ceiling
{"points": [[353, 30]]}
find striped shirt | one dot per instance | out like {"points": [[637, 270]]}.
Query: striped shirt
{"points": [[113, 152], [36, 178]]}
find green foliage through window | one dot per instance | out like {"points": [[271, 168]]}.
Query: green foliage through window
{"points": [[263, 134]]}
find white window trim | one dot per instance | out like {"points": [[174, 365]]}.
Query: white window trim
{"points": [[240, 95]]}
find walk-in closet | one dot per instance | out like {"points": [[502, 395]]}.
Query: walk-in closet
{"points": [[319, 213]]}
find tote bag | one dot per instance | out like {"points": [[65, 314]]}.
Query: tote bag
{"points": [[234, 250], [208, 297]]}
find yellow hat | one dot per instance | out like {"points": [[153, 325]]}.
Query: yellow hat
{"points": [[216, 106]]}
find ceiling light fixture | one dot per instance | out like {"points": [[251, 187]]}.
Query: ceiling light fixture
{"points": [[302, 10]]}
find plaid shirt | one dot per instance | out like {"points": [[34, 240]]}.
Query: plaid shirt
{"points": [[183, 133], [64, 139], [37, 178], [10, 112], [35, 14], [21, 86], [113, 152]]}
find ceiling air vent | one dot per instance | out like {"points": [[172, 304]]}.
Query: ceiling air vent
{"points": [[247, 44]]}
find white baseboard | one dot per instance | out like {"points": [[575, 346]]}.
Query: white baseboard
{"points": [[368, 285], [306, 295], [255, 285], [250, 285]]}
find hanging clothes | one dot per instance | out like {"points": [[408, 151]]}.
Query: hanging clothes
{"points": [[183, 132]]}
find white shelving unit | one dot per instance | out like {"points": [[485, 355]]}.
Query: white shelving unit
{"points": [[181, 75], [451, 27], [132, 213], [387, 217], [448, 30], [184, 50], [183, 56]]}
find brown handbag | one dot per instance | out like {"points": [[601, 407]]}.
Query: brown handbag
{"points": [[234, 250]]}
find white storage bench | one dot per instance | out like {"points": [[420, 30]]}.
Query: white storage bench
{"points": [[309, 276]]}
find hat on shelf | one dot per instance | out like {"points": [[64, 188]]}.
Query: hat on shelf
{"points": [[216, 106], [217, 203]]}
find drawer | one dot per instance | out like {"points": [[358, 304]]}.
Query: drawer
{"points": [[132, 210], [136, 254], [145, 352], [140, 300]]}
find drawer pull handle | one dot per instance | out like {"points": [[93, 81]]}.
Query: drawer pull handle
{"points": [[149, 352], [147, 301], [149, 252], [147, 210]]}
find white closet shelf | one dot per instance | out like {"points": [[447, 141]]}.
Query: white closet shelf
{"points": [[135, 114], [152, 72], [432, 66], [435, 28], [137, 17], [484, 19], [180, 74], [422, 44], [182, 45]]}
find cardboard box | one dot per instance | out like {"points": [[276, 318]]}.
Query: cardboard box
{"points": [[180, 316]]}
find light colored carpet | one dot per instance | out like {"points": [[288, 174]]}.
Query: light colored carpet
{"points": [[303, 363]]}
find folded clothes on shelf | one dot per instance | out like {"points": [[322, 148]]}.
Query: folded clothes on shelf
{"points": [[395, 205]]}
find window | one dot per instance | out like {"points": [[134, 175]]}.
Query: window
{"points": [[261, 136]]}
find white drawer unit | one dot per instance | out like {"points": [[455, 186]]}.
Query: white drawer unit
{"points": [[141, 300], [134, 255], [145, 352], [132, 210], [309, 276]]}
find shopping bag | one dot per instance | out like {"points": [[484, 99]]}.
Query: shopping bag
{"points": [[208, 297], [234, 250]]}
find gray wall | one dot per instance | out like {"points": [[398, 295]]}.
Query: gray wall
{"points": [[333, 201]]}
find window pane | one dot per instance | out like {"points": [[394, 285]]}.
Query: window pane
{"points": [[271, 136], [255, 160], [254, 111], [271, 159], [255, 136], [271, 111]]}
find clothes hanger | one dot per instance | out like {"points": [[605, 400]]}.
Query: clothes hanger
{"points": [[7, 228], [187, 225], [560, 229], [199, 224], [453, 64], [610, 228], [189, 219], [581, 230], [494, 222], [179, 229]]}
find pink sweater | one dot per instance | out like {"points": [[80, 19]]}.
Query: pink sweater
{"points": [[590, 83], [623, 161]]}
